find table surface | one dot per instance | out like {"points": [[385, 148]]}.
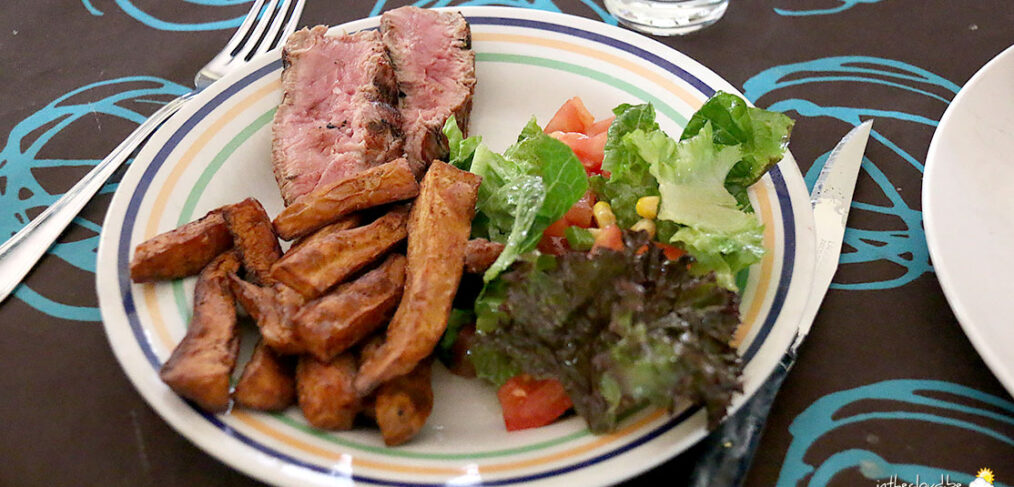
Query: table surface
{"points": [[848, 413]]}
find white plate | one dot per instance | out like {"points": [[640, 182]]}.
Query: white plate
{"points": [[968, 211], [216, 151]]}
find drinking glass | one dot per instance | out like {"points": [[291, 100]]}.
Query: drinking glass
{"points": [[667, 17]]}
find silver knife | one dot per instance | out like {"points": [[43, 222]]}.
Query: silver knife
{"points": [[831, 199], [726, 453]]}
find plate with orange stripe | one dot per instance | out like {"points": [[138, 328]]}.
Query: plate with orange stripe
{"points": [[217, 150]]}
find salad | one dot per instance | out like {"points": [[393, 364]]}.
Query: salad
{"points": [[624, 249]]}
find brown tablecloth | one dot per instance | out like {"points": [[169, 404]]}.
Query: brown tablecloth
{"points": [[886, 385]]}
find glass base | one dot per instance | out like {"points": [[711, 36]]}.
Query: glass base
{"points": [[667, 18]]}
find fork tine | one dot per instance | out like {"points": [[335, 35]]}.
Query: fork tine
{"points": [[274, 31], [290, 26], [257, 36], [244, 28], [283, 32]]}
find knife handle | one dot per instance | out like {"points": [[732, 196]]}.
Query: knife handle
{"points": [[729, 450]]}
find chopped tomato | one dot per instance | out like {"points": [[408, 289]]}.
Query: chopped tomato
{"points": [[609, 237], [530, 403], [553, 245], [599, 127], [553, 239], [566, 137], [671, 252], [571, 117], [556, 229], [589, 150], [580, 215]]}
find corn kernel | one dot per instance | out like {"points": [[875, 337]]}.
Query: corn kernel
{"points": [[645, 225], [595, 232], [647, 207], [603, 214]]}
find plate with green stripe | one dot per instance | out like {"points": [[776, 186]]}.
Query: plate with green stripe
{"points": [[217, 151]]}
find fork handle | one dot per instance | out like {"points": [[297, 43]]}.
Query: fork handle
{"points": [[19, 254]]}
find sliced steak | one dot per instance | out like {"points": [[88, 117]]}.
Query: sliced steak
{"points": [[435, 68], [337, 115]]}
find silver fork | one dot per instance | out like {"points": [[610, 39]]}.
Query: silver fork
{"points": [[265, 27]]}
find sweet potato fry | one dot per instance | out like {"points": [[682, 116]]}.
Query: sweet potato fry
{"points": [[403, 404], [272, 308], [200, 366], [254, 238], [400, 406], [181, 252], [480, 254], [268, 382], [325, 391], [314, 267], [344, 223], [439, 225], [333, 323], [367, 349], [386, 183]]}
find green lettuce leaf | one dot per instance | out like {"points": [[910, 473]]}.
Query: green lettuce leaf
{"points": [[555, 163], [461, 149], [492, 365], [761, 135], [655, 335], [490, 362], [630, 177], [691, 174], [523, 191], [704, 190], [629, 118]]}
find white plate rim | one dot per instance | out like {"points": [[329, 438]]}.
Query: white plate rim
{"points": [[990, 352]]}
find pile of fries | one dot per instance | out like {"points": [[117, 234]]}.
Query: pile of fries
{"points": [[322, 306]]}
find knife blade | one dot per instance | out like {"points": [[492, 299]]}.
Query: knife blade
{"points": [[727, 452], [831, 199]]}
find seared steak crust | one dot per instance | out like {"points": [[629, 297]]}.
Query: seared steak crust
{"points": [[337, 115], [435, 68]]}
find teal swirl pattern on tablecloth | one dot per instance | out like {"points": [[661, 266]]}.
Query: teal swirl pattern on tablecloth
{"points": [[906, 247], [845, 5], [801, 57], [20, 158], [136, 12], [827, 414]]}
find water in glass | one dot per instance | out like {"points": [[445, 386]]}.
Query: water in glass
{"points": [[667, 17]]}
